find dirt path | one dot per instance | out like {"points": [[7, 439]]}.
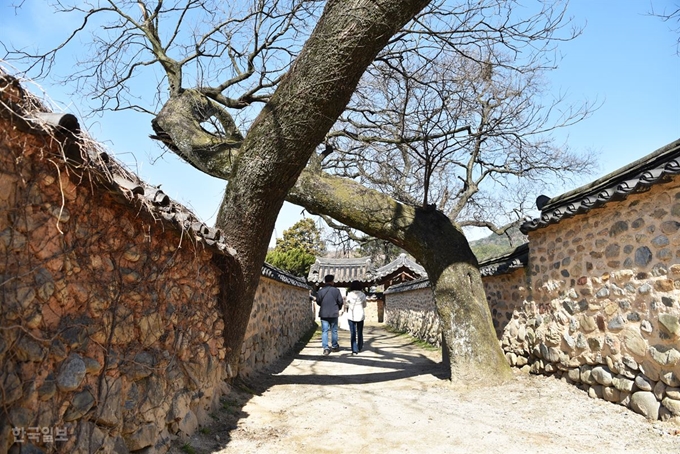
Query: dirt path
{"points": [[391, 399]]}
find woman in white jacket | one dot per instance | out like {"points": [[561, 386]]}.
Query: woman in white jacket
{"points": [[355, 302]]}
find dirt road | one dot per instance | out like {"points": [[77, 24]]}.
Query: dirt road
{"points": [[391, 398]]}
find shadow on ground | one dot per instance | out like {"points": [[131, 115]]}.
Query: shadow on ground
{"points": [[387, 356]]}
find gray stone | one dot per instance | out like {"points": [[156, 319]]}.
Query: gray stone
{"points": [[665, 414], [179, 407], [664, 355], [645, 289], [616, 324], [624, 398], [581, 341], [92, 366], [570, 341], [659, 270], [670, 379], [189, 423], [141, 366], [28, 349], [643, 256], [633, 317], [660, 241], [81, 403], [25, 297], [611, 394], [71, 373], [650, 368], [670, 324], [21, 417], [672, 405], [612, 251], [58, 350], [586, 375], [603, 292], [623, 384], [673, 393], [670, 227], [643, 383], [115, 444], [143, 437], [574, 375], [588, 323], [602, 375], [595, 344], [89, 438], [629, 362], [596, 392], [11, 386], [617, 228], [550, 354], [29, 448], [48, 389], [633, 342], [645, 403], [646, 326], [109, 408], [45, 283]]}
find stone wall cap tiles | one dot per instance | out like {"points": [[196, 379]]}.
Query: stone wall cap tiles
{"points": [[637, 176], [517, 258], [409, 286]]}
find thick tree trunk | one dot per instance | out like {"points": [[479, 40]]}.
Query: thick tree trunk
{"points": [[440, 246], [283, 137]]}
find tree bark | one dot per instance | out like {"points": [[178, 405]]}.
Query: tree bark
{"points": [[470, 341], [282, 138]]}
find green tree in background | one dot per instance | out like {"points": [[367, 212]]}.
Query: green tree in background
{"points": [[298, 248]]}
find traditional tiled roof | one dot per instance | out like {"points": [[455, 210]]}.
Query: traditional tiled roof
{"points": [[282, 276], [110, 174], [345, 270], [637, 176], [408, 286], [401, 262], [517, 258]]}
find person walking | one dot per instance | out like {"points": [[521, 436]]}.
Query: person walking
{"points": [[355, 305], [330, 302]]}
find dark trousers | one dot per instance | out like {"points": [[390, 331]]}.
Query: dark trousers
{"points": [[357, 332]]}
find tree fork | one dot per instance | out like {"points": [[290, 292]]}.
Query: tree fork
{"points": [[469, 339], [283, 137]]}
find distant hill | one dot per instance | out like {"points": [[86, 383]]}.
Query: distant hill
{"points": [[495, 245]]}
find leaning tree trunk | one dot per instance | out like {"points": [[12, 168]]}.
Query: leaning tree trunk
{"points": [[469, 337], [282, 138]]}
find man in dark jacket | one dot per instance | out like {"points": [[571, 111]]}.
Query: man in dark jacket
{"points": [[329, 300]]}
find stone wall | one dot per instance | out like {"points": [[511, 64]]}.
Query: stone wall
{"points": [[598, 305], [505, 293], [110, 334], [375, 310], [281, 315], [410, 309], [604, 310]]}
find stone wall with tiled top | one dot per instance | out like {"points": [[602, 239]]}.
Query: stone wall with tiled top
{"points": [[281, 315], [604, 308], [414, 312], [110, 333], [504, 294], [598, 304]]}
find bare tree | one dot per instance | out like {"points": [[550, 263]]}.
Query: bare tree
{"points": [[237, 57], [671, 16], [468, 135]]}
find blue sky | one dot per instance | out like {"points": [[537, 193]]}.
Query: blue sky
{"points": [[625, 58]]}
